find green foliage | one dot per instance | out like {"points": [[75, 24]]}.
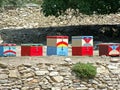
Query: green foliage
{"points": [[58, 7], [54, 7], [84, 71]]}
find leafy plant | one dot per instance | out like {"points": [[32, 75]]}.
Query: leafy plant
{"points": [[85, 71], [58, 7]]}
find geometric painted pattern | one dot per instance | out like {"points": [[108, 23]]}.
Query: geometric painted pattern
{"points": [[113, 47]]}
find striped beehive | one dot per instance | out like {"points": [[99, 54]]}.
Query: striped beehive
{"points": [[8, 50], [82, 45], [57, 45]]}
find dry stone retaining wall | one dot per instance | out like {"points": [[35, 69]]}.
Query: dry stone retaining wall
{"points": [[51, 76], [29, 25]]}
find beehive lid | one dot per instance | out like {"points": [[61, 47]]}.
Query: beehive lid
{"points": [[109, 44], [63, 37], [31, 44], [8, 44], [81, 37]]}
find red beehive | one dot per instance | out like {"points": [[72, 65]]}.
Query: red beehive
{"points": [[82, 51], [109, 49], [31, 50]]}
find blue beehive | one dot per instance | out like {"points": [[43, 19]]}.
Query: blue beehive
{"points": [[57, 45], [61, 51], [8, 50]]}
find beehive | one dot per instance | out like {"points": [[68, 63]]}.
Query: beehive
{"points": [[8, 49], [57, 45], [31, 50], [109, 49], [82, 45]]}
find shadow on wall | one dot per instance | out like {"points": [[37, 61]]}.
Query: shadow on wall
{"points": [[104, 33]]}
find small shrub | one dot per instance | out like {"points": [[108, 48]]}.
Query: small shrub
{"points": [[84, 71]]}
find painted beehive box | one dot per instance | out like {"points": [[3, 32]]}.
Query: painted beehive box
{"points": [[8, 50], [109, 49], [57, 45], [82, 41], [82, 45], [31, 50]]}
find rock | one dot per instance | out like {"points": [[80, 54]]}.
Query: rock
{"points": [[39, 73], [112, 67], [15, 89], [56, 88], [14, 73], [115, 60], [68, 60], [91, 89], [27, 75], [27, 65], [110, 88], [115, 71], [53, 73], [25, 88], [37, 89], [3, 65], [3, 81], [94, 82], [102, 86], [57, 78], [102, 69], [81, 88], [68, 88], [50, 69], [3, 76]]}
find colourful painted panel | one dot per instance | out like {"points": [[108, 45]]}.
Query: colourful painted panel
{"points": [[8, 50], [51, 50], [31, 50], [60, 51], [62, 44], [60, 41], [114, 49], [109, 49], [82, 51], [82, 41], [1, 50]]}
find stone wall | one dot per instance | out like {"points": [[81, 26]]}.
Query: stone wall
{"points": [[48, 76], [29, 25], [111, 33], [34, 18]]}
